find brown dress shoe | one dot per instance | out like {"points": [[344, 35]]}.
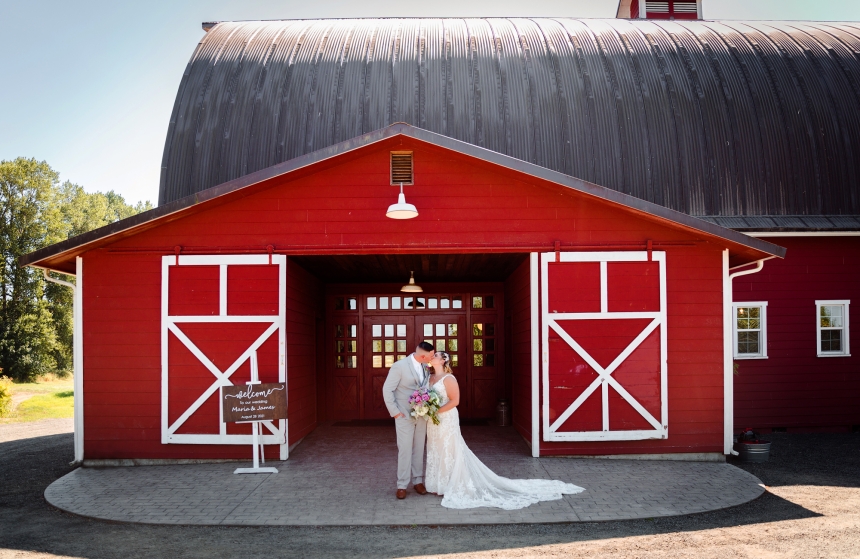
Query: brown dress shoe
{"points": [[420, 489], [401, 493]]}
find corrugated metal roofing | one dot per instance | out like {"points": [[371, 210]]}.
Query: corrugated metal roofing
{"points": [[707, 118]]}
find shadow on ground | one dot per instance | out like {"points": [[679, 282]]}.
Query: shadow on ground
{"points": [[29, 524]]}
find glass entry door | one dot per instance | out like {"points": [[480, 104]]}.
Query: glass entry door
{"points": [[368, 332], [446, 332], [387, 338]]}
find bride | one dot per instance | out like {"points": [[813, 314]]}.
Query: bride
{"points": [[456, 473]]}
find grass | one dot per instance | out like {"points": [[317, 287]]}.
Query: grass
{"points": [[49, 398]]}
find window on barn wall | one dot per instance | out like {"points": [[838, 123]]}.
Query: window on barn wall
{"points": [[832, 328], [401, 167], [750, 330]]}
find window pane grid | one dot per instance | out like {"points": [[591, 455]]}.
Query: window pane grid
{"points": [[386, 351], [832, 328], [749, 331], [379, 303], [346, 346], [483, 343]]}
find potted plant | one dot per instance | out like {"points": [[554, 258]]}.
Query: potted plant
{"points": [[751, 448]]}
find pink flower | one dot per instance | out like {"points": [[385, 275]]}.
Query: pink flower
{"points": [[425, 397]]}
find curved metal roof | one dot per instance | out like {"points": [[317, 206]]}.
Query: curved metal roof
{"points": [[707, 118]]}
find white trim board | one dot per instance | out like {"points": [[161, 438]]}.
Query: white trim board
{"points": [[171, 324], [549, 321], [534, 310], [78, 356]]}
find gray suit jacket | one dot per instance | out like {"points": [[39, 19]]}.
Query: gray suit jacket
{"points": [[401, 382]]}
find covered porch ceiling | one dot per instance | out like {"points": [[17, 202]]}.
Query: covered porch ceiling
{"points": [[387, 268]]}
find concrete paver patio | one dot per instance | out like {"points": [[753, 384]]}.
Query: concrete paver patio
{"points": [[346, 476]]}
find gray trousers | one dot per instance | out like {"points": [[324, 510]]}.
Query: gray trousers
{"points": [[411, 436]]}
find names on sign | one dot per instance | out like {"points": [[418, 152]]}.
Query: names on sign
{"points": [[255, 402]]}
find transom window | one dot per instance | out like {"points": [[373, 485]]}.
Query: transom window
{"points": [[443, 302], [832, 328], [750, 330]]}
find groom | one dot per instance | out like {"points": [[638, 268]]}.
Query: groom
{"points": [[406, 376]]}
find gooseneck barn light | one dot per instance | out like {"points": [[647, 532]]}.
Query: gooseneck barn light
{"points": [[411, 287], [401, 210]]}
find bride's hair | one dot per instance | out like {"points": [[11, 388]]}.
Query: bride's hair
{"points": [[446, 361]]}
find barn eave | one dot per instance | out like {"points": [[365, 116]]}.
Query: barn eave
{"points": [[60, 256]]}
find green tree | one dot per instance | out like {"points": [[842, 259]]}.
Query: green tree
{"points": [[36, 316], [28, 341]]}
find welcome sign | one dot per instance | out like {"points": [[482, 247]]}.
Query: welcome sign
{"points": [[255, 402]]}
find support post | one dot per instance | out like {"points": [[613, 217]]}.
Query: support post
{"points": [[255, 431]]}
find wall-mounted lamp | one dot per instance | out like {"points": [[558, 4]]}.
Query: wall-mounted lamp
{"points": [[401, 210], [411, 287]]}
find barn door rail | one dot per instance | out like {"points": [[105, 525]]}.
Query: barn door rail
{"points": [[555, 431]]}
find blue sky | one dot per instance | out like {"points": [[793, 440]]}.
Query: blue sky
{"points": [[88, 86]]}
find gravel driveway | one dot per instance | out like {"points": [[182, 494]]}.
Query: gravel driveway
{"points": [[812, 509]]}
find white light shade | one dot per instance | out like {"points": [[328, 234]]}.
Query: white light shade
{"points": [[411, 287], [401, 210]]}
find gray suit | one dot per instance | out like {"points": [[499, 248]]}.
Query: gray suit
{"points": [[401, 382]]}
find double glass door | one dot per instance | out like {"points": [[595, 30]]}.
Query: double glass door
{"points": [[389, 338]]}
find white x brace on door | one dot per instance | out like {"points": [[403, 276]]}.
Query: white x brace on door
{"points": [[274, 326], [571, 379]]}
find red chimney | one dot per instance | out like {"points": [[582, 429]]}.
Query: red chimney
{"points": [[666, 9]]}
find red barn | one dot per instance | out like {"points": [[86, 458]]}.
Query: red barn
{"points": [[579, 187]]}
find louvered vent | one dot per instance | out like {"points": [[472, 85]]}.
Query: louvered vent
{"points": [[659, 7], [401, 167]]}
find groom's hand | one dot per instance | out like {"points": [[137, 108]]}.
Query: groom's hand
{"points": [[399, 415]]}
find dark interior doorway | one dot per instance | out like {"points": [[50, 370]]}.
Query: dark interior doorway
{"points": [[370, 324]]}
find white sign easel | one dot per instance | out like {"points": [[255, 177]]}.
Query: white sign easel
{"points": [[255, 432]]}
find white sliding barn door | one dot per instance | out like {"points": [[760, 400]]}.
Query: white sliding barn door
{"points": [[216, 312], [604, 346]]}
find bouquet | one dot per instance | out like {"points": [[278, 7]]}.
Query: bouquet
{"points": [[426, 402]]}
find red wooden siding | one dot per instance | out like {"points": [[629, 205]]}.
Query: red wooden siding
{"points": [[304, 307], [794, 388], [339, 205], [518, 304]]}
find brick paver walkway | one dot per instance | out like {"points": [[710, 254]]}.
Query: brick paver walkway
{"points": [[346, 476]]}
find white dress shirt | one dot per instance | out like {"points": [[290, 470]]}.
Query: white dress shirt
{"points": [[419, 368]]}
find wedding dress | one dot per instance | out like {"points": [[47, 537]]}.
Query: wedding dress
{"points": [[455, 472]]}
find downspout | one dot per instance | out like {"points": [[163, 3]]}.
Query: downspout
{"points": [[78, 356], [728, 350]]}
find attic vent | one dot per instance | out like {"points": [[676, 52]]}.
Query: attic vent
{"points": [[659, 7], [401, 167]]}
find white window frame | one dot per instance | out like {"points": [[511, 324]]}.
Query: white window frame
{"points": [[846, 349], [762, 354]]}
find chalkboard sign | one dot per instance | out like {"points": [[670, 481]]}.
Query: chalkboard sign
{"points": [[255, 402]]}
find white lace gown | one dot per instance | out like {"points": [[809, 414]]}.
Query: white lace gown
{"points": [[455, 472]]}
